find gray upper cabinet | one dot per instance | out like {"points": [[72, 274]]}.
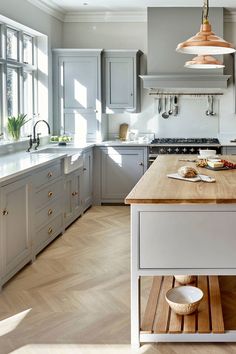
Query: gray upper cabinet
{"points": [[77, 94], [121, 90], [15, 233]]}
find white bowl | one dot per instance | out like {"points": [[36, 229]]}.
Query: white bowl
{"points": [[185, 279], [207, 153], [184, 300]]}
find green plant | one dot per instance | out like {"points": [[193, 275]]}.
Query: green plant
{"points": [[14, 125]]}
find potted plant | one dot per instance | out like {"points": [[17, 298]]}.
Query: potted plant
{"points": [[14, 125]]}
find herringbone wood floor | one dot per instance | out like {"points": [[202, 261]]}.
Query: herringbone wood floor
{"points": [[76, 297]]}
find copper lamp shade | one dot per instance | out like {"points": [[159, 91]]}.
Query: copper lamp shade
{"points": [[205, 42], [204, 62]]}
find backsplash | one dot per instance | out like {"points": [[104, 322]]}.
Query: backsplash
{"points": [[191, 121]]}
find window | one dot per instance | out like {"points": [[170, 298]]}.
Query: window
{"points": [[28, 49], [18, 76], [12, 92], [12, 44]]}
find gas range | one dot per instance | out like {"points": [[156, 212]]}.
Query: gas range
{"points": [[163, 146], [201, 141]]}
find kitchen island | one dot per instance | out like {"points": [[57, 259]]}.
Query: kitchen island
{"points": [[180, 227]]}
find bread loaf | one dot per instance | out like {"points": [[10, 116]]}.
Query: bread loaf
{"points": [[187, 172]]}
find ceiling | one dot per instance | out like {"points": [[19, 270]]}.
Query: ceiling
{"points": [[116, 10], [128, 5]]}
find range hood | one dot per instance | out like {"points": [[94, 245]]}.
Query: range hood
{"points": [[165, 67]]}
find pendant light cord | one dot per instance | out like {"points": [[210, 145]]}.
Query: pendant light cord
{"points": [[205, 12]]}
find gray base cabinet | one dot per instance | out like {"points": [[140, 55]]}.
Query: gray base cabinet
{"points": [[87, 191], [15, 234], [48, 205], [121, 69], [117, 170], [73, 196], [229, 150]]}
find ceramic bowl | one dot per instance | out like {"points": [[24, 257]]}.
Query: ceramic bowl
{"points": [[184, 300], [184, 279], [207, 153]]}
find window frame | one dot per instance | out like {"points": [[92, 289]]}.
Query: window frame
{"points": [[21, 67]]}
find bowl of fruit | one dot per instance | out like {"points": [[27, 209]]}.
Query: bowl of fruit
{"points": [[60, 139]]}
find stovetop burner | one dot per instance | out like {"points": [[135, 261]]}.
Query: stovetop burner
{"points": [[185, 141]]}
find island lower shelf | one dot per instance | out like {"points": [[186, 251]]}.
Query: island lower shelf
{"points": [[158, 318]]}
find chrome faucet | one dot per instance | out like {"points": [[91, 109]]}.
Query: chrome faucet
{"points": [[36, 139]]}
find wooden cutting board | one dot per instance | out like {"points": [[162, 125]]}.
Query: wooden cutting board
{"points": [[123, 132]]}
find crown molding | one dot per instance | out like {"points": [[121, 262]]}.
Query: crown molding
{"points": [[116, 16], [58, 12], [50, 8]]}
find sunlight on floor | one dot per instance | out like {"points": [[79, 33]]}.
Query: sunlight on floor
{"points": [[9, 324], [81, 349]]}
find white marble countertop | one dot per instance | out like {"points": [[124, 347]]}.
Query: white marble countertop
{"points": [[13, 165]]}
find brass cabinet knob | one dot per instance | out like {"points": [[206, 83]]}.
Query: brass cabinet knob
{"points": [[140, 163], [74, 194], [49, 174], [50, 194], [49, 211], [50, 230], [5, 212]]}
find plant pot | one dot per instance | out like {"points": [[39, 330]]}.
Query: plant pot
{"points": [[14, 135]]}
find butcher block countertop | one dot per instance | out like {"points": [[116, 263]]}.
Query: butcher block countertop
{"points": [[156, 188]]}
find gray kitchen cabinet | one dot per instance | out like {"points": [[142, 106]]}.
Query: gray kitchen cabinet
{"points": [[229, 150], [121, 69], [73, 196], [77, 94], [87, 179], [15, 235], [117, 170], [48, 205]]}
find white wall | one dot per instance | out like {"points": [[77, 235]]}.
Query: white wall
{"points": [[28, 15], [192, 121]]}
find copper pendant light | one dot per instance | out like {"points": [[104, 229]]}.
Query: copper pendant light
{"points": [[204, 62], [205, 42]]}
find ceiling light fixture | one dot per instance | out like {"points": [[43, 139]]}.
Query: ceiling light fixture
{"points": [[204, 62], [205, 42]]}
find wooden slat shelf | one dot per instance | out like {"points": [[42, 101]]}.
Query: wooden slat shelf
{"points": [[159, 318]]}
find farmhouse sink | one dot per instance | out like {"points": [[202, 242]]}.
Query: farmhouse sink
{"points": [[72, 161]]}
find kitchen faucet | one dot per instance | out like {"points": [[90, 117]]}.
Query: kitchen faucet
{"points": [[36, 139]]}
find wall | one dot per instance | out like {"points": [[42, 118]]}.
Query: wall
{"points": [[25, 13], [192, 121]]}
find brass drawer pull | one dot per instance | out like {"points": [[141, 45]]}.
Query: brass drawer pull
{"points": [[74, 194], [49, 211], [5, 212], [50, 194], [49, 174], [50, 230]]}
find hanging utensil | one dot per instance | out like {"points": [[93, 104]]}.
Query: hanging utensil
{"points": [[160, 105], [212, 107], [208, 111], [176, 108], [165, 115], [170, 108]]}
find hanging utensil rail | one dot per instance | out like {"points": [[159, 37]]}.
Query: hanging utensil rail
{"points": [[160, 94]]}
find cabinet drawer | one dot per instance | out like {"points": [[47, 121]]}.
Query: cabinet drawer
{"points": [[46, 214], [49, 231], [187, 239], [48, 194], [47, 174]]}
